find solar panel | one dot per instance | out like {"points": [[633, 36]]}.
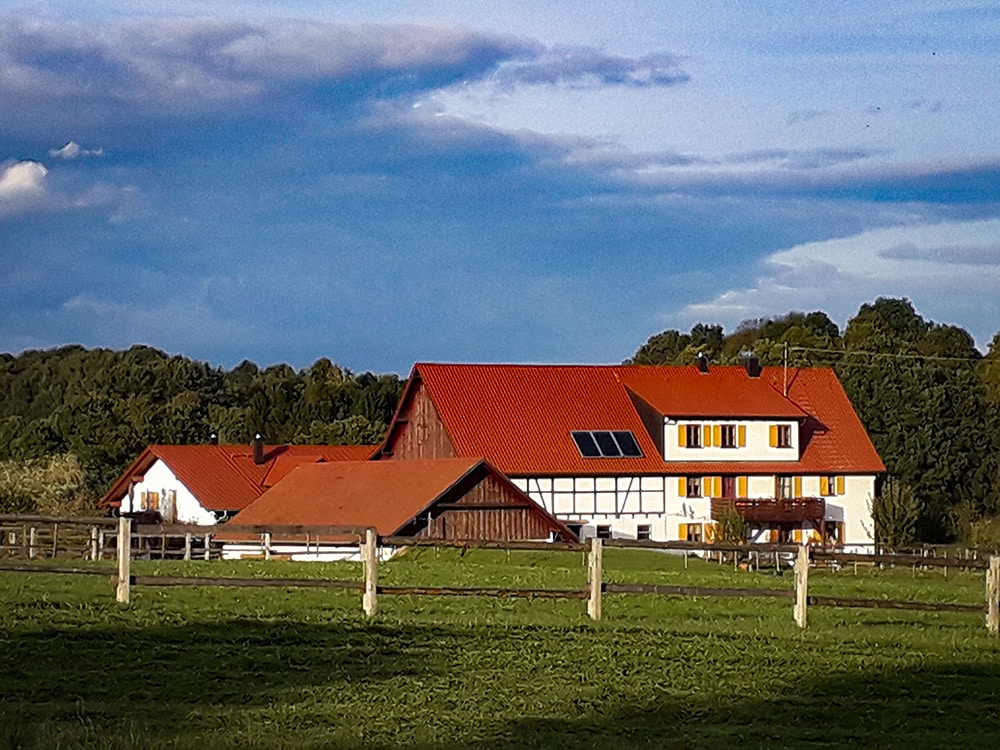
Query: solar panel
{"points": [[627, 443], [606, 444], [586, 445]]}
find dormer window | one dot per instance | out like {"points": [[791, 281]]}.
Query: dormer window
{"points": [[727, 436], [606, 444], [781, 436], [689, 435]]}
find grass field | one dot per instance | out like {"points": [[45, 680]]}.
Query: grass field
{"points": [[226, 667]]}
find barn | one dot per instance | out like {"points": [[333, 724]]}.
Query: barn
{"points": [[452, 498]]}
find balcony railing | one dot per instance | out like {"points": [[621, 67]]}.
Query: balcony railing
{"points": [[768, 510]]}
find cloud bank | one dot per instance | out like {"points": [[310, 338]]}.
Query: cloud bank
{"points": [[952, 269]]}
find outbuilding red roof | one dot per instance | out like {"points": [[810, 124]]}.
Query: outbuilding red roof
{"points": [[384, 494], [225, 477], [520, 417]]}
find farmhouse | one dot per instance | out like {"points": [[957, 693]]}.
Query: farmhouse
{"points": [[449, 498], [655, 452], [205, 484]]}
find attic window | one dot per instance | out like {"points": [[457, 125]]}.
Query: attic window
{"points": [[606, 444]]}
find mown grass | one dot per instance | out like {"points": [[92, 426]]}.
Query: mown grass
{"points": [[226, 667]]}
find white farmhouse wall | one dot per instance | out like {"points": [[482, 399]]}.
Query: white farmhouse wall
{"points": [[159, 478], [757, 446]]}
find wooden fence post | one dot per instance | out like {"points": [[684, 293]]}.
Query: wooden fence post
{"points": [[992, 594], [93, 542], [801, 585], [594, 576], [267, 545], [124, 558], [369, 564], [100, 544], [187, 545], [32, 542], [208, 546]]}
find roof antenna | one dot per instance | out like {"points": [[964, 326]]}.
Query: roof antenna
{"points": [[784, 389]]}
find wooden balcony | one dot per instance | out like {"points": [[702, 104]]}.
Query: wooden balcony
{"points": [[769, 510]]}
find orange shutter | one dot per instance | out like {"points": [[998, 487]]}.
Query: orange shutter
{"points": [[824, 486], [682, 532], [711, 531], [717, 435], [797, 536], [682, 436], [772, 435], [716, 486], [774, 536], [741, 439], [682, 486], [797, 486], [840, 485], [741, 486], [706, 435]]}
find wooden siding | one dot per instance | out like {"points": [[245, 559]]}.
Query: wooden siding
{"points": [[493, 523], [419, 432], [485, 506]]}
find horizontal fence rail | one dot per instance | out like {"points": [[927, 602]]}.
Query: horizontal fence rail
{"points": [[126, 536]]}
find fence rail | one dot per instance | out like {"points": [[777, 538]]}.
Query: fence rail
{"points": [[368, 543]]}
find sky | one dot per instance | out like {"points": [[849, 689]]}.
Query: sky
{"points": [[384, 183]]}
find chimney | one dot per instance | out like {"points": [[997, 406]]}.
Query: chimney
{"points": [[702, 362], [258, 449], [751, 363], [213, 439]]}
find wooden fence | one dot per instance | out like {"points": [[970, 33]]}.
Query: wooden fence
{"points": [[368, 544]]}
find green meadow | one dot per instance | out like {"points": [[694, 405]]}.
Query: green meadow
{"points": [[206, 667]]}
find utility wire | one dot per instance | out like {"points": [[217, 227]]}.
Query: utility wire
{"points": [[890, 355]]}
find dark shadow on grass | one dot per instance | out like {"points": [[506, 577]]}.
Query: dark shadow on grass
{"points": [[952, 706], [145, 683], [153, 677]]}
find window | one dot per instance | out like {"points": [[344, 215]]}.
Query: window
{"points": [[693, 488], [692, 532], [729, 487], [831, 485], [783, 487], [781, 436], [689, 435], [603, 532], [727, 436], [606, 444], [643, 531]]}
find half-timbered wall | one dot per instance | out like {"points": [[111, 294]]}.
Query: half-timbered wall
{"points": [[658, 502]]}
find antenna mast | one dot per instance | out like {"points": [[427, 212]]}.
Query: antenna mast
{"points": [[784, 388]]}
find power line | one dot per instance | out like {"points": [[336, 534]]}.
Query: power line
{"points": [[888, 355]]}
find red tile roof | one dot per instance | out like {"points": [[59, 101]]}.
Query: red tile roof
{"points": [[520, 416], [383, 494], [225, 477], [683, 392]]}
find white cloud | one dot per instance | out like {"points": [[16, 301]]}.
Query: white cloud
{"points": [[22, 187], [72, 150], [950, 270]]}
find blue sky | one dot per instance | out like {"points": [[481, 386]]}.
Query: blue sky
{"points": [[382, 183]]}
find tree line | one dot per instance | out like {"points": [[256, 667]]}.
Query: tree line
{"points": [[87, 413], [72, 418], [929, 399]]}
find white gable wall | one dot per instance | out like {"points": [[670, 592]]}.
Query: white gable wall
{"points": [[160, 479], [757, 446]]}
